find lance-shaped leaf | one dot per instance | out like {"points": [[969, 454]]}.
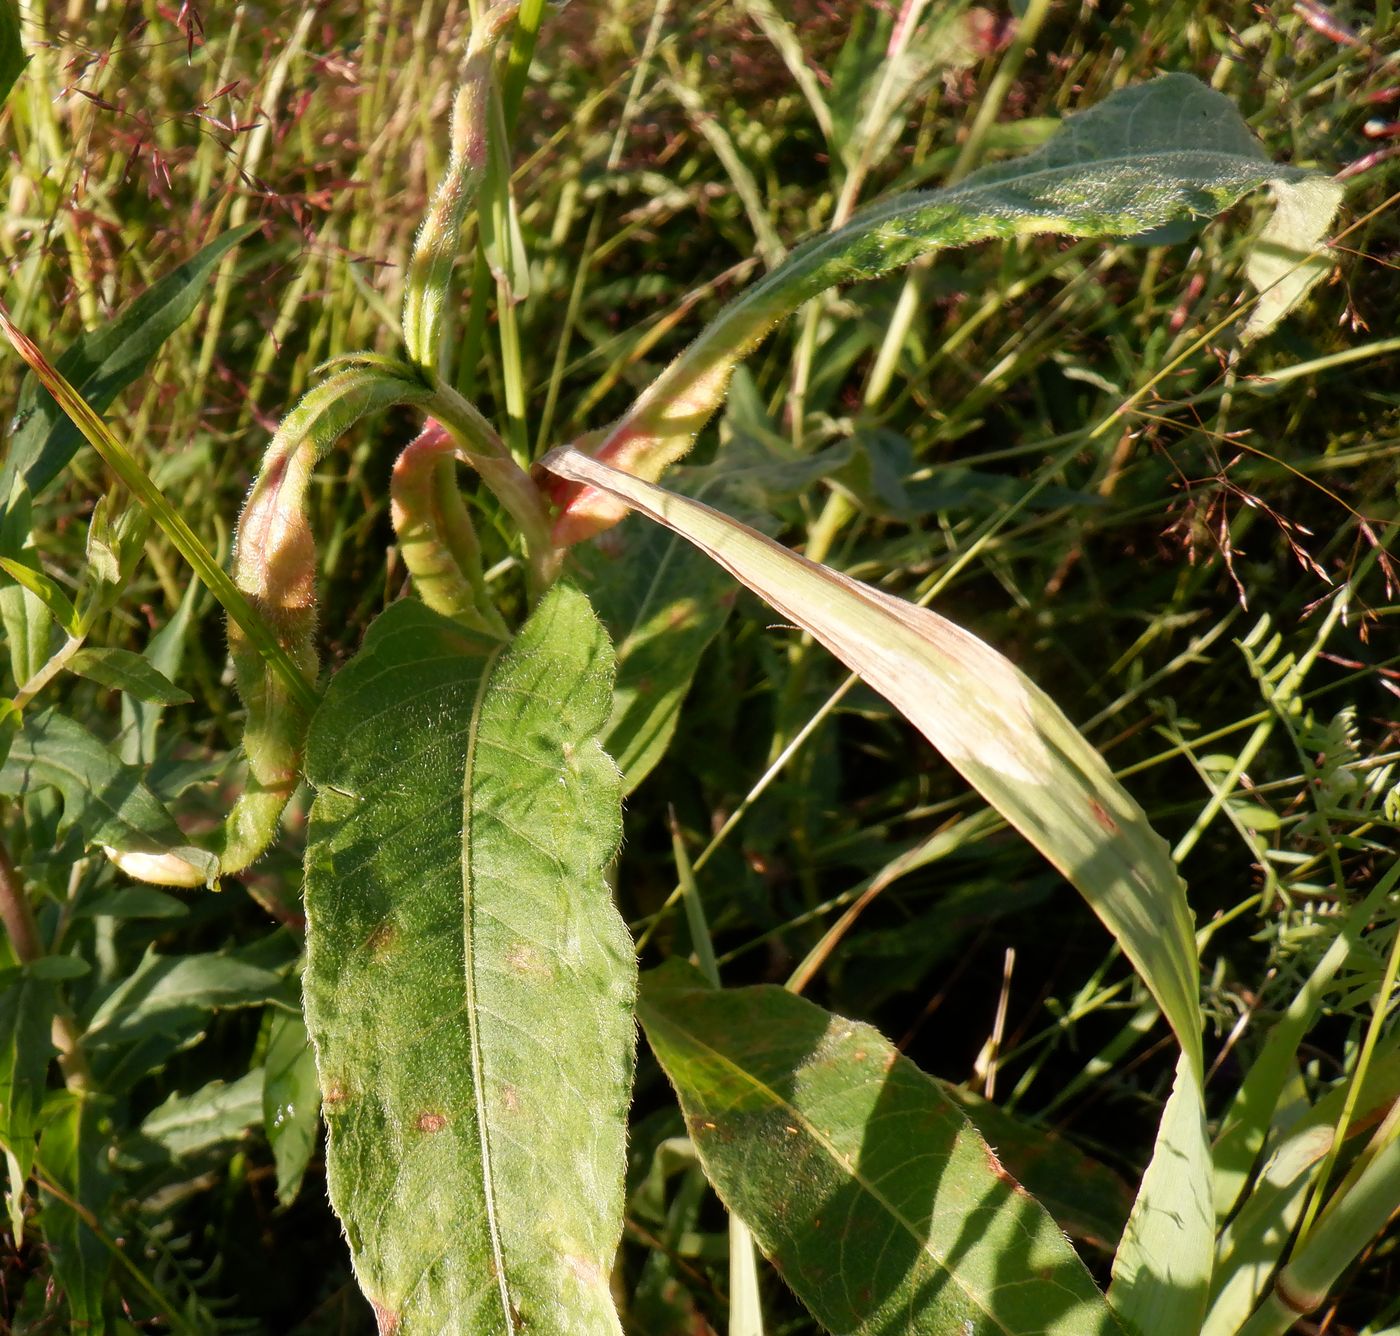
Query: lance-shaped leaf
{"points": [[468, 980], [101, 364], [1006, 737], [877, 1200], [1143, 158]]}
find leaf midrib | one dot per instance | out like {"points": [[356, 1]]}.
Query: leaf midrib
{"points": [[493, 1228], [817, 1136]]}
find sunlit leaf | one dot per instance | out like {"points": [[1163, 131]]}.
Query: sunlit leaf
{"points": [[1006, 737], [468, 980], [874, 1196]]}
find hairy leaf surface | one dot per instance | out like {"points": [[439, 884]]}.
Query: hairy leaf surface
{"points": [[1144, 157], [875, 1197], [468, 982]]}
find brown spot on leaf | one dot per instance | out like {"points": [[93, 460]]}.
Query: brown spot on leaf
{"points": [[996, 1166], [385, 1318], [510, 1098], [1102, 817], [430, 1122], [382, 938], [524, 959], [334, 1096]]}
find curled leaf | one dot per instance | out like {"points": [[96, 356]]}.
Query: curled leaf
{"points": [[1006, 737]]}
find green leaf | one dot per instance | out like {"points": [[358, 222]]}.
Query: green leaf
{"points": [[45, 590], [468, 980], [101, 364], [106, 800], [874, 1196], [291, 1101], [1161, 1272], [662, 603], [72, 1157], [27, 1006], [172, 996], [1088, 1200], [1284, 263], [1004, 735], [122, 670], [219, 1112], [28, 631], [12, 57], [1144, 157]]}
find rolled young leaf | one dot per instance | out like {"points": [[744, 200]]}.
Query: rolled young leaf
{"points": [[1006, 737], [1144, 157]]}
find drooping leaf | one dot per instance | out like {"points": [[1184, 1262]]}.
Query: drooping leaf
{"points": [[1161, 1272], [45, 590], [291, 1101], [877, 1200], [468, 981], [1004, 735], [105, 799], [1281, 262], [1144, 157], [124, 671], [101, 364]]}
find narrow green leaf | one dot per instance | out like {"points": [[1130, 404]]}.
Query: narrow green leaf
{"points": [[122, 670], [72, 1157], [45, 590], [106, 800], [1144, 157], [1006, 737], [468, 981], [877, 1200], [27, 1007], [291, 1101], [1161, 1272], [29, 631], [12, 57], [172, 996], [101, 364]]}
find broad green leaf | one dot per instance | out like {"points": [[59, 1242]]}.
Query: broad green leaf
{"points": [[72, 1157], [1006, 737], [173, 995], [122, 670], [29, 631], [105, 799], [1086, 1198], [27, 1007], [468, 980], [873, 1195], [101, 364], [662, 603], [1161, 1272], [1144, 157], [291, 1101], [216, 1113]]}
